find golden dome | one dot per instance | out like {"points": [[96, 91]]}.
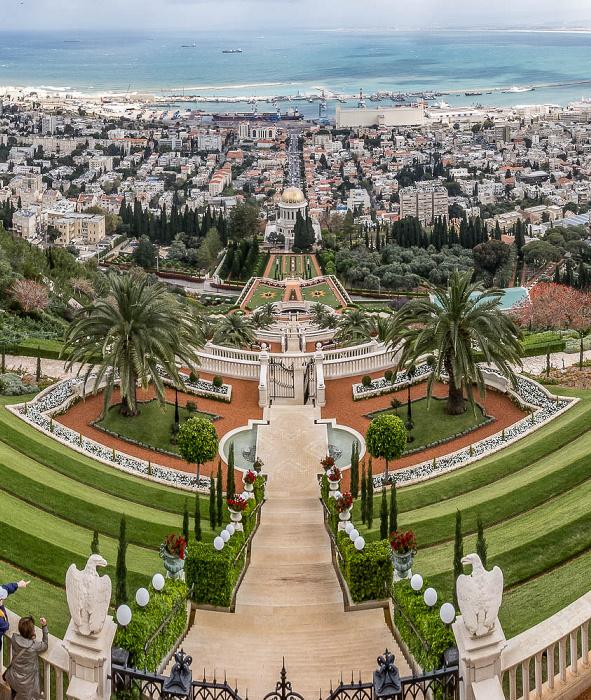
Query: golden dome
{"points": [[292, 195]]}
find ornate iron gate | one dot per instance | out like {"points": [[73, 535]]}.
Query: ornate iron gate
{"points": [[309, 381], [281, 380]]}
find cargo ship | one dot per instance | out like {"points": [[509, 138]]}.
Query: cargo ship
{"points": [[232, 51], [292, 115]]}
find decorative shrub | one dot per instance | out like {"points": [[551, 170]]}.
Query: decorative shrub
{"points": [[427, 622], [193, 376], [12, 385], [191, 406], [145, 621], [212, 572], [217, 381], [366, 380], [388, 375], [367, 572]]}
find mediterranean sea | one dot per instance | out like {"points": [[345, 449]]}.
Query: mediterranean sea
{"points": [[293, 63]]}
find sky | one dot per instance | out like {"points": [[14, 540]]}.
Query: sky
{"points": [[172, 15]]}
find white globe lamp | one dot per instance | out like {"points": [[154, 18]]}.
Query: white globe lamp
{"points": [[142, 597], [349, 527], [225, 535], [416, 582], [353, 535], [359, 543], [124, 615], [158, 582], [447, 613], [430, 597], [218, 543], [230, 529]]}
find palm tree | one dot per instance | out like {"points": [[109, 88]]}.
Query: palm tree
{"points": [[235, 331], [455, 324], [354, 327], [128, 334], [322, 316], [382, 326], [264, 316]]}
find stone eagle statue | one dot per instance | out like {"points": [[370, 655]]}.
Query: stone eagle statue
{"points": [[479, 596], [88, 595]]}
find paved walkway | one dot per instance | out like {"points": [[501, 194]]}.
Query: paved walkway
{"points": [[558, 360], [290, 603]]}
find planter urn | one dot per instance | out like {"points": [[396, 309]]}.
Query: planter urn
{"points": [[174, 565], [402, 563]]}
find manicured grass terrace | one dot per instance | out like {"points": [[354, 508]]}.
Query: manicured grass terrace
{"points": [[534, 499], [152, 426], [264, 294], [323, 293], [433, 423]]}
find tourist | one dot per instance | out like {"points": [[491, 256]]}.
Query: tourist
{"points": [[22, 675], [5, 590]]}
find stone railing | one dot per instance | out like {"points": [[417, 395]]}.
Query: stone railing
{"points": [[372, 357], [553, 654], [243, 364], [55, 662]]}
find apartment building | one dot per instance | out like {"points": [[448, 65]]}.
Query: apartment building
{"points": [[426, 204], [89, 228]]}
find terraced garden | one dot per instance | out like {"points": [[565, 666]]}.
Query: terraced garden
{"points": [[534, 499], [53, 499], [323, 293]]}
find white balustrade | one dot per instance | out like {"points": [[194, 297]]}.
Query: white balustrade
{"points": [[565, 634], [56, 658]]}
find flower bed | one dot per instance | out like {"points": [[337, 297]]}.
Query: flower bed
{"points": [[202, 387], [382, 386], [56, 399], [528, 394]]}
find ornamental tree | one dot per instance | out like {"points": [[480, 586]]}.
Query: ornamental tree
{"points": [[386, 437], [198, 442], [31, 295]]}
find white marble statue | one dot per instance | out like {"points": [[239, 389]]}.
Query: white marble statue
{"points": [[88, 595], [479, 596]]}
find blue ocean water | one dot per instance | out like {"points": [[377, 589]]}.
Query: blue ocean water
{"points": [[298, 61]]}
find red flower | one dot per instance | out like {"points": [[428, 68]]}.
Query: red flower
{"points": [[403, 542]]}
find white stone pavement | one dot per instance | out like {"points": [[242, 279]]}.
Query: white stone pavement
{"points": [[558, 360], [290, 603]]}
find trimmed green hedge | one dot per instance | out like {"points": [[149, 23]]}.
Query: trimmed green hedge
{"points": [[145, 621], [366, 572], [212, 572], [427, 623]]}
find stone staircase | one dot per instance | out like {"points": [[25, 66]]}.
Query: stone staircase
{"points": [[290, 605]]}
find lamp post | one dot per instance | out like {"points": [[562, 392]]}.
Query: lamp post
{"points": [[409, 423]]}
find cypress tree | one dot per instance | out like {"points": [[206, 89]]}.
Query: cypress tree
{"points": [[176, 407], [458, 555], [230, 486], [369, 495], [355, 470], [219, 495], [38, 368], [384, 516], [212, 511], [198, 534], [186, 522], [94, 545], [121, 568], [481, 547], [3, 359], [393, 508], [363, 496]]}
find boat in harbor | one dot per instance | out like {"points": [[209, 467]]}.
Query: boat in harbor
{"points": [[291, 115], [518, 89], [188, 46], [232, 51], [472, 93]]}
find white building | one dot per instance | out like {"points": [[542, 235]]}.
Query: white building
{"points": [[358, 198], [426, 203], [209, 142], [48, 124], [382, 116], [291, 203]]}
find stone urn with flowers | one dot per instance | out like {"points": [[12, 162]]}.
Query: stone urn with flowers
{"points": [[172, 553], [403, 547], [327, 463], [249, 480], [343, 505], [237, 505], [334, 477]]}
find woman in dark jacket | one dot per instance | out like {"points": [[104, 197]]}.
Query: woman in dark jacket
{"points": [[23, 674]]}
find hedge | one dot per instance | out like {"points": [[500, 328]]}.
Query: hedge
{"points": [[212, 572], [145, 621], [366, 572], [427, 622]]}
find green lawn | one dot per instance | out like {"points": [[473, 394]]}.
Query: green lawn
{"points": [[433, 423], [321, 292], [265, 293], [534, 499], [152, 426]]}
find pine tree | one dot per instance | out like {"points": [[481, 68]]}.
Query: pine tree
{"points": [[384, 516], [481, 546], [369, 495], [363, 496], [458, 555], [355, 470], [186, 522], [220, 495], [38, 369], [230, 485], [393, 508], [121, 567], [94, 545], [212, 510], [198, 533]]}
